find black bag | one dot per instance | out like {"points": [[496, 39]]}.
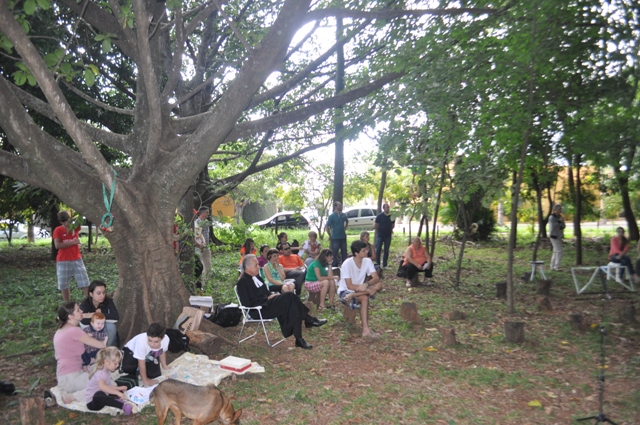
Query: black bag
{"points": [[226, 316], [401, 270], [177, 341]]}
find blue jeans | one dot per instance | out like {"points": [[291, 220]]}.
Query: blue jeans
{"points": [[339, 244], [387, 244], [625, 261]]}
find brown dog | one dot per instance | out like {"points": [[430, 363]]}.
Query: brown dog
{"points": [[202, 404]]}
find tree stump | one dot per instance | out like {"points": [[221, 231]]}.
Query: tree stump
{"points": [[526, 276], [32, 410], [228, 335], [349, 315], [544, 304], [544, 288], [576, 320], [314, 298], [448, 334], [409, 313], [501, 290], [627, 314], [455, 315], [514, 332], [207, 343]]}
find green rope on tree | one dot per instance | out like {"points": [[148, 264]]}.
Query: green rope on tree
{"points": [[107, 218]]}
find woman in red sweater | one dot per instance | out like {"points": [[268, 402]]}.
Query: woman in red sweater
{"points": [[618, 252]]}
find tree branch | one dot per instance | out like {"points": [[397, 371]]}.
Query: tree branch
{"points": [[52, 92], [98, 103], [16, 167], [391, 14], [247, 129]]}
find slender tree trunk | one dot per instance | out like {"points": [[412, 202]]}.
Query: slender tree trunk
{"points": [[577, 217], [383, 184], [422, 221], [541, 222], [436, 209], [338, 180], [465, 233], [623, 183]]}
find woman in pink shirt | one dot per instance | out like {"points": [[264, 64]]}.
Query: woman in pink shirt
{"points": [[618, 252], [68, 344]]}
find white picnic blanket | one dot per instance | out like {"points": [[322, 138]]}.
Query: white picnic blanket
{"points": [[191, 368]]}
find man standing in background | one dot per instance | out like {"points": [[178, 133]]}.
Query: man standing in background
{"points": [[336, 227], [201, 232], [384, 230]]}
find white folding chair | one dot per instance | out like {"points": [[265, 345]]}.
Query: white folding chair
{"points": [[246, 318]]}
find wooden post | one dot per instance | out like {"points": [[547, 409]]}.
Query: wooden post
{"points": [[314, 297], [544, 304], [627, 313], [32, 410], [409, 313], [514, 332], [349, 315], [501, 290], [576, 321], [544, 288], [448, 334], [454, 315]]}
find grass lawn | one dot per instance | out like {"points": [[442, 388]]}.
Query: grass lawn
{"points": [[407, 377]]}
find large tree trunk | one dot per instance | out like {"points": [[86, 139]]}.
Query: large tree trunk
{"points": [[150, 287], [338, 169]]}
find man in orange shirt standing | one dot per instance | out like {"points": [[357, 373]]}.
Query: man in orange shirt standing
{"points": [[69, 260], [293, 267]]}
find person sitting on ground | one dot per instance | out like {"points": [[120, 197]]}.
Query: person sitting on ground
{"points": [[288, 308], [311, 247], [359, 283], [263, 259], [364, 237], [320, 278], [248, 247], [68, 346], [145, 353], [293, 267], [618, 253], [101, 390], [416, 260], [97, 331], [98, 302], [273, 273]]}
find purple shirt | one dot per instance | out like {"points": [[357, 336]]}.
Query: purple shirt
{"points": [[93, 386]]}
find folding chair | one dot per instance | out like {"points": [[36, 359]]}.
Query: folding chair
{"points": [[246, 318]]}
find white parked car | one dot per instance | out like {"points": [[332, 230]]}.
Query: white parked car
{"points": [[361, 218]]}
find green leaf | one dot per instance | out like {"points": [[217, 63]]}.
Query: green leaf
{"points": [[19, 77], [30, 7], [94, 68], [6, 44], [89, 77], [51, 60], [106, 45], [44, 4], [32, 80]]}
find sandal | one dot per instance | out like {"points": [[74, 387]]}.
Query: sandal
{"points": [[320, 309]]}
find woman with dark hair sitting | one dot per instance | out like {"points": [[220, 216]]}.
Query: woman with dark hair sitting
{"points": [[618, 252], [371, 251], [320, 278], [99, 302], [68, 345], [249, 247], [273, 274], [287, 307]]}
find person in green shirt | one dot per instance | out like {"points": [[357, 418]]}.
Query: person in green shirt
{"points": [[320, 278]]}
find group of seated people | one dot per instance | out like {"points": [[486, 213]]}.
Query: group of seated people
{"points": [[86, 357]]}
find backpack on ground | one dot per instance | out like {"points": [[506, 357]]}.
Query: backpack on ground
{"points": [[178, 341], [226, 315]]}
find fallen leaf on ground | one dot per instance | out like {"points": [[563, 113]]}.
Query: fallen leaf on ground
{"points": [[534, 403], [431, 349]]}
